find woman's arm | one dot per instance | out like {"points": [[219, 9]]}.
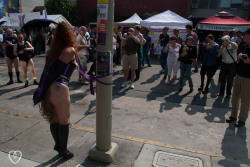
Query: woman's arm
{"points": [[30, 47]]}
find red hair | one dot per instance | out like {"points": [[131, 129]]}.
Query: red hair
{"points": [[64, 37]]}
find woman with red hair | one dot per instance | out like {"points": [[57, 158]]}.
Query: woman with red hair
{"points": [[53, 90]]}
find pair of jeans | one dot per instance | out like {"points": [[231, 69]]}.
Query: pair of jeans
{"points": [[163, 60], [146, 56], [227, 74], [186, 69]]}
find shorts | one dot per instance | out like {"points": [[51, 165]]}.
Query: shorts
{"points": [[130, 61], [83, 61], [11, 57]]}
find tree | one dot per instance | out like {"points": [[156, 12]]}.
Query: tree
{"points": [[64, 7]]}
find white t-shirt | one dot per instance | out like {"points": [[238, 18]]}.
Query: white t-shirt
{"points": [[173, 53], [226, 58]]}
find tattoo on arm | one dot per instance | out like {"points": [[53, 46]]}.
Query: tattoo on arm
{"points": [[57, 88]]}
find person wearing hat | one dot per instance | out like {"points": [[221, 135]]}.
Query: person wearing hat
{"points": [[234, 35], [188, 53], [228, 51], [241, 89]]}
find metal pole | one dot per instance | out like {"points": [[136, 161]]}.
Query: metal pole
{"points": [[104, 150]]}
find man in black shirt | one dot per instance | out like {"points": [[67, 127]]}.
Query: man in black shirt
{"points": [[241, 90], [164, 40], [8, 45], [188, 52]]}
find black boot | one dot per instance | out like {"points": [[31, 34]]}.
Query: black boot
{"points": [[26, 84], [55, 135], [18, 79], [11, 78], [63, 137]]}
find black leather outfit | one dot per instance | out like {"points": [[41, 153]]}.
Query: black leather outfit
{"points": [[59, 72]]}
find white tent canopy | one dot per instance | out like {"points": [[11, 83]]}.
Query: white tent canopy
{"points": [[133, 20], [167, 18], [57, 18]]}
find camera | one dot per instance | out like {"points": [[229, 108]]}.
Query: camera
{"points": [[244, 56]]}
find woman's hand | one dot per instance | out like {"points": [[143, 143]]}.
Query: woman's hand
{"points": [[21, 52]]}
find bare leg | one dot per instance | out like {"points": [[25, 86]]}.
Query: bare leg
{"points": [[24, 66], [32, 68], [132, 75], [126, 75]]}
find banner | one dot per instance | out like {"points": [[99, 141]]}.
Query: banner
{"points": [[17, 20], [216, 27]]}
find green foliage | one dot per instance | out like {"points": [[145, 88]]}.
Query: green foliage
{"points": [[64, 7], [147, 15]]}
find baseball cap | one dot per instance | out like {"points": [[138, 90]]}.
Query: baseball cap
{"points": [[190, 38]]}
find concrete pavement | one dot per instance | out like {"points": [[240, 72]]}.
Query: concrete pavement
{"points": [[154, 125]]}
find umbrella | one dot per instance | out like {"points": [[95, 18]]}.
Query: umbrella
{"points": [[2, 22], [37, 25]]}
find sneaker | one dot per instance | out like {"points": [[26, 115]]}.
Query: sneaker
{"points": [[10, 82], [85, 82], [132, 86], [168, 82], [149, 65], [205, 91], [200, 88], [230, 119], [124, 84], [240, 124], [162, 71]]}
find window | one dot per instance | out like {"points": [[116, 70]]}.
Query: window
{"points": [[195, 3], [214, 4], [225, 4], [203, 4], [236, 4], [246, 4]]}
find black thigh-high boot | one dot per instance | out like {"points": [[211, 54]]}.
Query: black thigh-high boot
{"points": [[63, 137], [11, 78], [55, 135], [18, 79]]}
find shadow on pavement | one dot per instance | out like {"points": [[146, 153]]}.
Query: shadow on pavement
{"points": [[91, 163], [3, 91], [234, 146], [49, 162]]}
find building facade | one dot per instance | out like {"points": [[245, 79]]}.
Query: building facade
{"points": [[126, 8], [206, 8]]}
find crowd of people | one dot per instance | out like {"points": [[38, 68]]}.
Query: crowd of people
{"points": [[131, 49], [230, 53]]}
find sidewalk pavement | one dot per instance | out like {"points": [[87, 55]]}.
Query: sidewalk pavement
{"points": [[153, 125]]}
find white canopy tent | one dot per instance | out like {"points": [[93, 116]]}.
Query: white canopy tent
{"points": [[13, 20], [169, 19], [133, 20], [57, 18]]}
